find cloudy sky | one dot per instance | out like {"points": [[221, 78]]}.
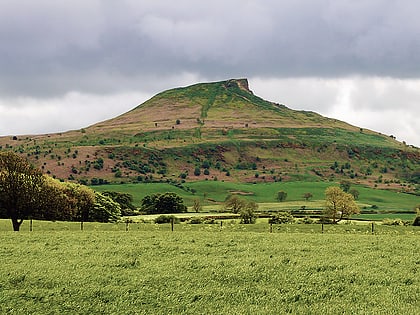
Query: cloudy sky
{"points": [[67, 64]]}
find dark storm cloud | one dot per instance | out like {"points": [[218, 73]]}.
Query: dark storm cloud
{"points": [[50, 47]]}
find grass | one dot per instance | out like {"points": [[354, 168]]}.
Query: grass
{"points": [[383, 200], [206, 270]]}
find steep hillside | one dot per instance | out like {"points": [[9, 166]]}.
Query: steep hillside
{"points": [[221, 131]]}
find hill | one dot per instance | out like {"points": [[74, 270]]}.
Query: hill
{"points": [[221, 131]]}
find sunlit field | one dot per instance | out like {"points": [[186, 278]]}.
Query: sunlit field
{"points": [[209, 269]]}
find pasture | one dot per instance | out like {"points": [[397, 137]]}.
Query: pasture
{"points": [[385, 203], [208, 269]]}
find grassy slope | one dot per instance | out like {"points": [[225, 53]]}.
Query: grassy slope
{"points": [[219, 115], [208, 272], [385, 200]]}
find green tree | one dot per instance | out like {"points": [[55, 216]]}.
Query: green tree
{"points": [[281, 218], [307, 196], [125, 200], [81, 198], [163, 203], [355, 193], [416, 221], [234, 204], [247, 212], [339, 204], [105, 209], [281, 196], [197, 171], [20, 185], [345, 185]]}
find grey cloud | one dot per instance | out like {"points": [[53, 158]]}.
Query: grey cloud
{"points": [[58, 46]]}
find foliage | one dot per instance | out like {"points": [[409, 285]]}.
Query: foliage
{"points": [[281, 196], [81, 198], [307, 196], [339, 204], [247, 212], [416, 221], [345, 185], [125, 200], [197, 207], [166, 219], [234, 204], [355, 193], [20, 186], [105, 209], [281, 218], [163, 203]]}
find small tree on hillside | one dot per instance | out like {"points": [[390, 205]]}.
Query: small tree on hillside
{"points": [[339, 204], [281, 196], [307, 196], [345, 185]]}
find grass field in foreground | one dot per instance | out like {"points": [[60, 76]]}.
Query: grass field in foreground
{"points": [[208, 272]]}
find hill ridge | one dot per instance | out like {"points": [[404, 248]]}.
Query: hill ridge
{"points": [[226, 132]]}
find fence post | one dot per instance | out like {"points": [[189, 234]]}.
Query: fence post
{"points": [[322, 228], [30, 225], [81, 225], [271, 227], [172, 224], [126, 225], [373, 229]]}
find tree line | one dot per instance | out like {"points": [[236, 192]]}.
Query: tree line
{"points": [[26, 193]]}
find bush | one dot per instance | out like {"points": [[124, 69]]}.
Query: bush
{"points": [[306, 220], [397, 222], [196, 220], [166, 219], [281, 218]]}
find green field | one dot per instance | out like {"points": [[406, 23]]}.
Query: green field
{"points": [[208, 269], [215, 193]]}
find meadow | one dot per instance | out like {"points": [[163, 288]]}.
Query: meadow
{"points": [[376, 204], [208, 269]]}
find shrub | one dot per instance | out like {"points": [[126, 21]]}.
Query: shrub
{"points": [[281, 218], [196, 220], [166, 219]]}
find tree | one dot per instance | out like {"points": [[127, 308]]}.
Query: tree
{"points": [[281, 218], [307, 196], [197, 207], [163, 203], [82, 200], [20, 184], [281, 195], [345, 185], [105, 209], [54, 203], [234, 204], [339, 204], [416, 221], [197, 171], [355, 193], [125, 200], [247, 212]]}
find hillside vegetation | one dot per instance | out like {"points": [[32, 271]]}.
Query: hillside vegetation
{"points": [[221, 131]]}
